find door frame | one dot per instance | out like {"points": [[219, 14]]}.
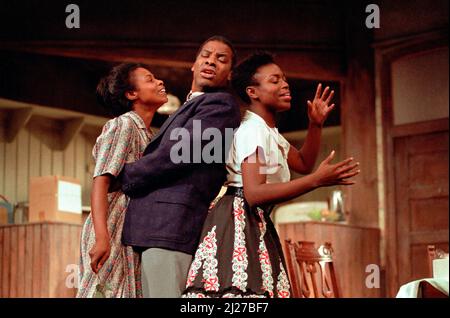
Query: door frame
{"points": [[387, 52]]}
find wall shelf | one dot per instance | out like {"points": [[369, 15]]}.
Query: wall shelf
{"points": [[55, 127]]}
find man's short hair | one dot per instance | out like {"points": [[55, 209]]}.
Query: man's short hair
{"points": [[224, 40]]}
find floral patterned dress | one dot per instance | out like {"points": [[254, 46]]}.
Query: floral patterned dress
{"points": [[122, 140], [240, 254]]}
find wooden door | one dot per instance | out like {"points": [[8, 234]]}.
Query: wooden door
{"points": [[421, 200]]}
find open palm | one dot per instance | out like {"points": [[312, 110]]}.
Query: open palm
{"points": [[319, 108]]}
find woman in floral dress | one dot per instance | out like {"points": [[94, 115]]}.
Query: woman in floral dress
{"points": [[108, 268], [240, 254]]}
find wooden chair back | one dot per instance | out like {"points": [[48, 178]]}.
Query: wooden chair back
{"points": [[293, 268], [311, 270]]}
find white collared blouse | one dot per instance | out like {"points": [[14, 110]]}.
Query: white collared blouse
{"points": [[255, 135]]}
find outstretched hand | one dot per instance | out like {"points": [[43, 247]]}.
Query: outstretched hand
{"points": [[329, 174], [319, 108]]}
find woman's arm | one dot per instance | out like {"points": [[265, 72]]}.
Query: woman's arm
{"points": [[258, 192], [303, 160], [99, 212]]}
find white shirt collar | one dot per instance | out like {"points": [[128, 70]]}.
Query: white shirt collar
{"points": [[192, 95], [249, 115]]}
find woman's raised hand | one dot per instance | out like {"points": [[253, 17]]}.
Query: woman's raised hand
{"points": [[319, 109]]}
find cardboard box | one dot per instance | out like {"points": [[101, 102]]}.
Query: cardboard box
{"points": [[55, 199]]}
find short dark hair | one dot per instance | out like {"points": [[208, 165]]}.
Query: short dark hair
{"points": [[225, 41], [243, 74], [112, 88]]}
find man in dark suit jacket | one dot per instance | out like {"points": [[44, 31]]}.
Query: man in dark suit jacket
{"points": [[170, 200]]}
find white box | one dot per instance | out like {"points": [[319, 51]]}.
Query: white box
{"points": [[440, 268]]}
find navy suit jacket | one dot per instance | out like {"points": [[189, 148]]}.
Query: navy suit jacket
{"points": [[169, 201]]}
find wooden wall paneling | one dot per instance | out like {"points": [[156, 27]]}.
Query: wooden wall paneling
{"points": [[420, 214], [35, 156], [34, 259], [74, 245], [45, 258], [37, 258], [345, 259], [7, 254], [66, 259], [369, 256], [358, 118], [285, 232], [71, 128], [2, 166], [11, 171], [13, 262], [57, 160], [383, 82], [53, 265], [28, 275], [46, 160], [1, 261], [374, 258], [22, 165], [74, 251], [27, 156], [69, 160], [5, 265], [79, 161], [88, 161], [57, 259], [21, 261], [402, 208]]}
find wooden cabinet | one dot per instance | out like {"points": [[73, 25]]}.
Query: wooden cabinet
{"points": [[39, 259], [355, 248]]}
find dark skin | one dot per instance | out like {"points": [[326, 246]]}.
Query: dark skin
{"points": [[148, 95], [268, 97], [212, 66]]}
